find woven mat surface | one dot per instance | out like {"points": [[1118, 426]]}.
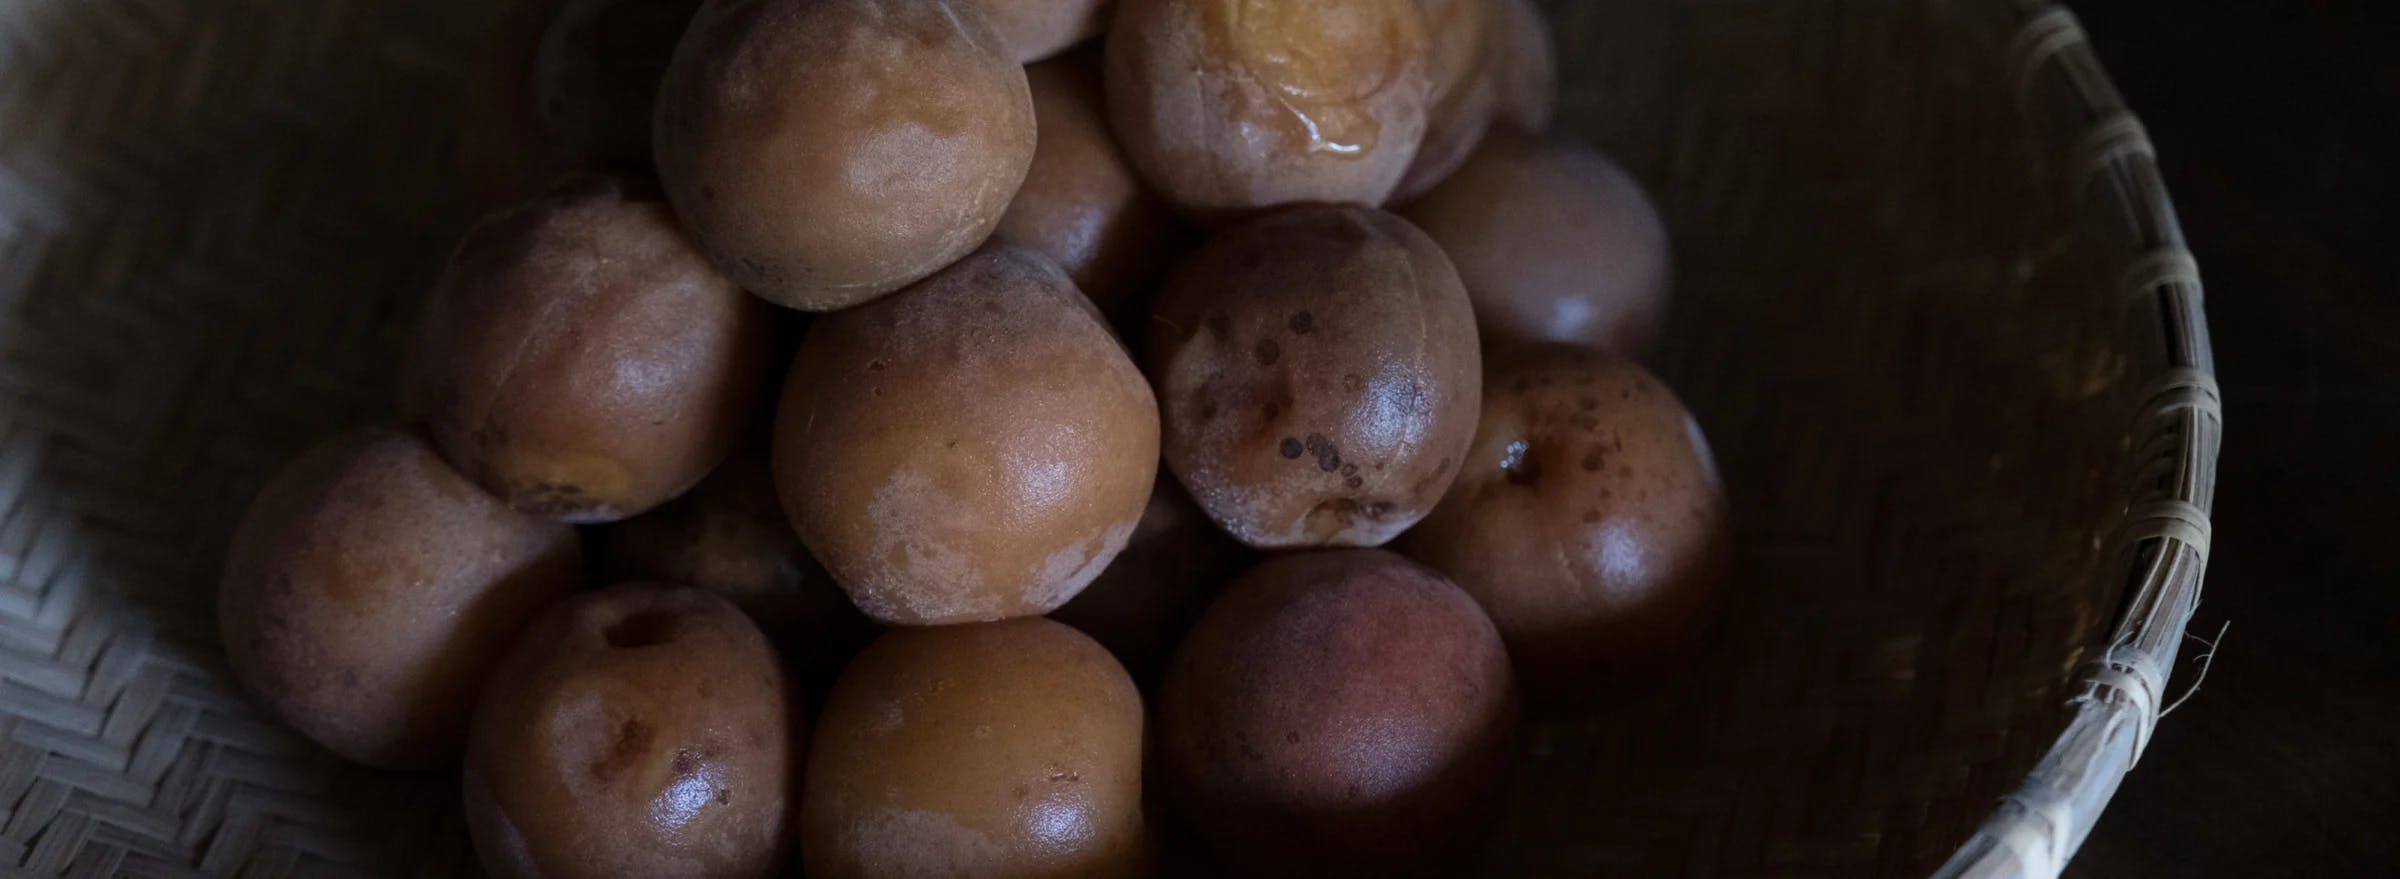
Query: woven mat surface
{"points": [[216, 220]]}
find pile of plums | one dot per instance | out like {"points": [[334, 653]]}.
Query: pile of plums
{"points": [[840, 343]]}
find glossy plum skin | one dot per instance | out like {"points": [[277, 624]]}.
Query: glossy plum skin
{"points": [[993, 749], [828, 152], [580, 360], [1555, 243], [639, 730], [1318, 371], [1344, 712], [1230, 106], [1590, 521], [973, 448]]}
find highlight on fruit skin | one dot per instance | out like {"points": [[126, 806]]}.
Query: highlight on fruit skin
{"points": [[1555, 243], [1585, 460], [1344, 712], [1318, 371], [973, 448], [828, 152], [580, 360], [1232, 106], [1007, 749], [1115, 374], [643, 729]]}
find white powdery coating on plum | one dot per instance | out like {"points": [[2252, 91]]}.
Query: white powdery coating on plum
{"points": [[889, 717], [913, 573], [1241, 512], [1066, 572], [916, 842]]}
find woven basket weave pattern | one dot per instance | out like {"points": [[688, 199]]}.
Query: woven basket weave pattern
{"points": [[1933, 309]]}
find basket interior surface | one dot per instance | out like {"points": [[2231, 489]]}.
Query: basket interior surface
{"points": [[216, 221]]}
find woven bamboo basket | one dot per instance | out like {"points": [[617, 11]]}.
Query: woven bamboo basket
{"points": [[1934, 307]]}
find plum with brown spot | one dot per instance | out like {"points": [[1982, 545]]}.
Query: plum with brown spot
{"points": [[1345, 340], [580, 360], [638, 730], [1616, 484]]}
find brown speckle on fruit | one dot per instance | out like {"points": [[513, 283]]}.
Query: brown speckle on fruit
{"points": [[650, 770], [1627, 507], [631, 739], [1391, 387]]}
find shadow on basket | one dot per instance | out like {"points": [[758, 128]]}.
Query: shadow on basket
{"points": [[214, 234]]}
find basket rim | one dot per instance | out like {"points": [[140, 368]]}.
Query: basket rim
{"points": [[2165, 534], [2157, 557]]}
